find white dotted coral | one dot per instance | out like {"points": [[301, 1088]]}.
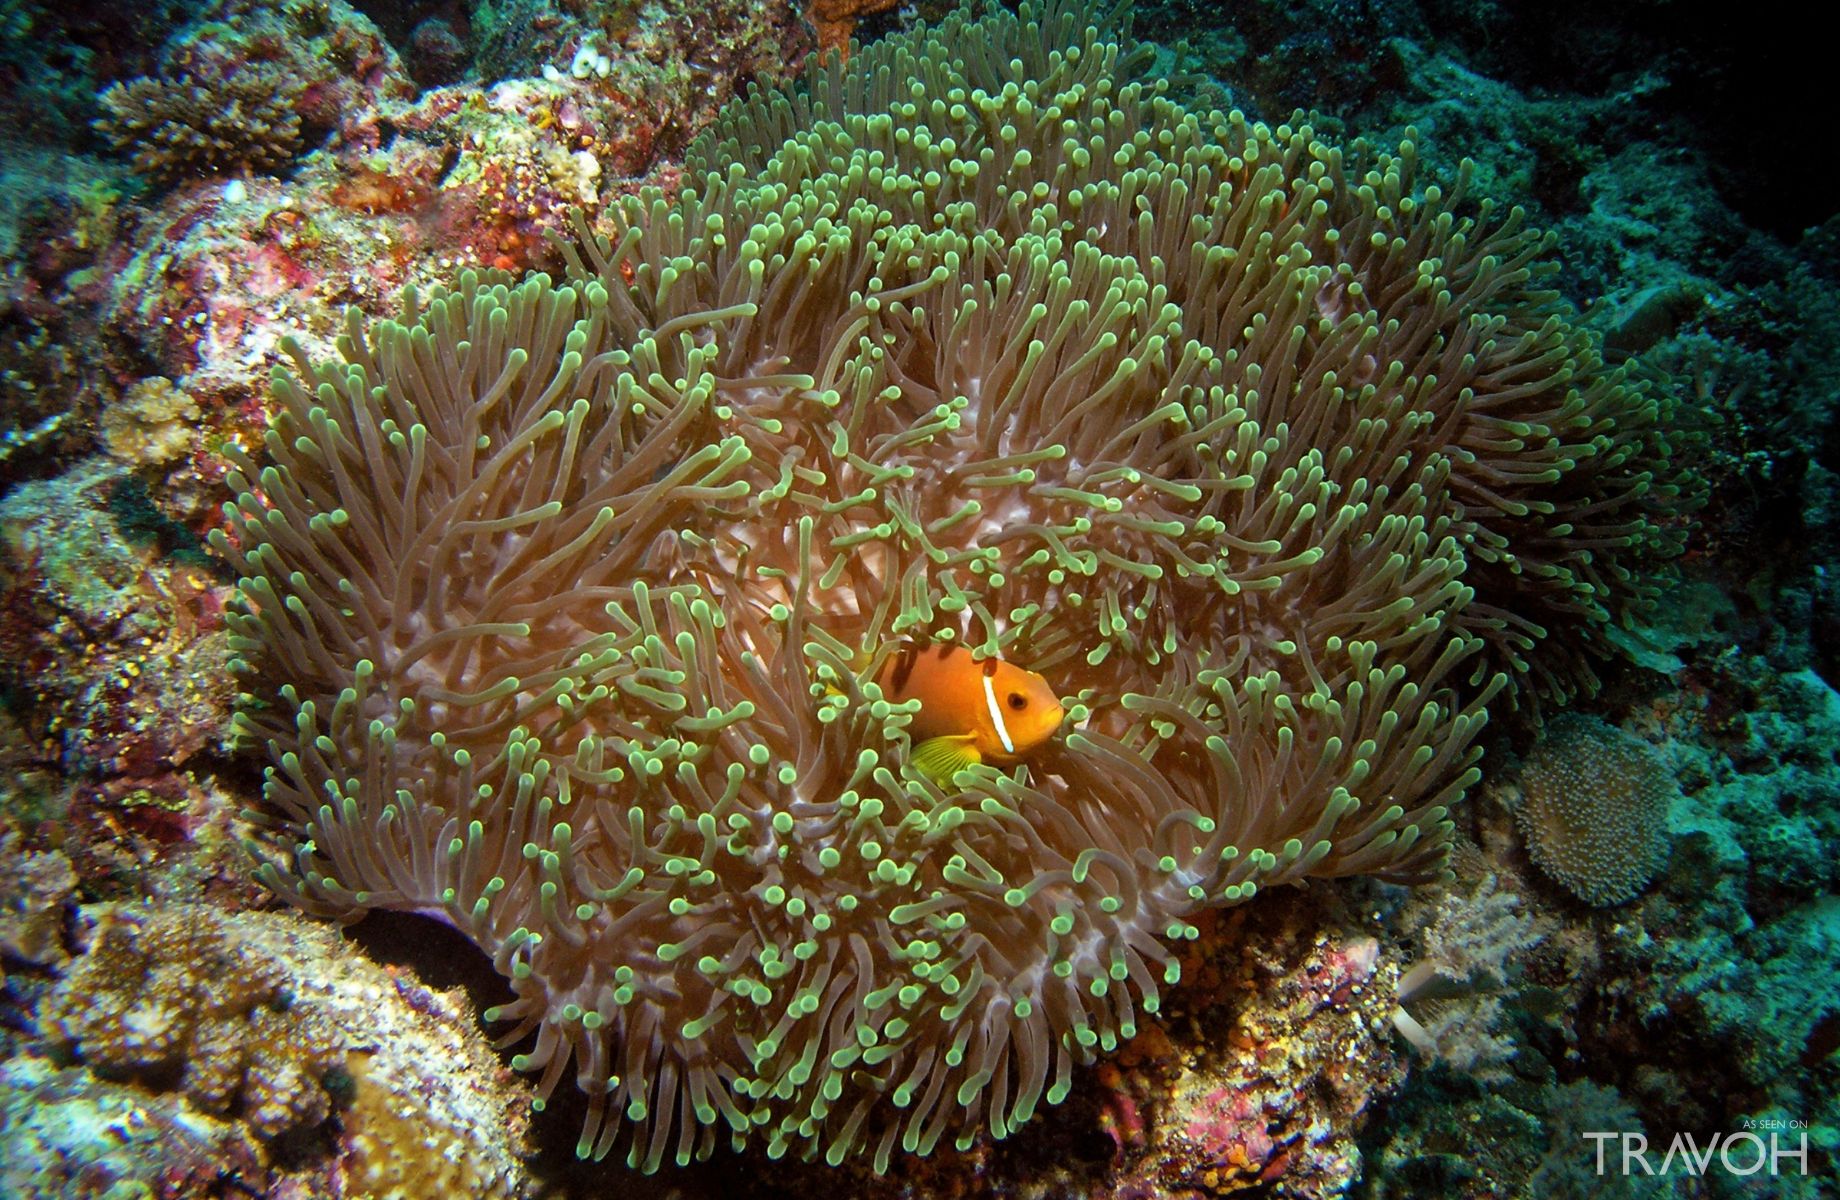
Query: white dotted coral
{"points": [[1594, 809]]}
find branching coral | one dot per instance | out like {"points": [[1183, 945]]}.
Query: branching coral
{"points": [[563, 601], [181, 126]]}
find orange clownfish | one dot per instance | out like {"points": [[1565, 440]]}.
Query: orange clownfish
{"points": [[970, 711]]}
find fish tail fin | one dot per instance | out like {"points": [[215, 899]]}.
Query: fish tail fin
{"points": [[940, 758]]}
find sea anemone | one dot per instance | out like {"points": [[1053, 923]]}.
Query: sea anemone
{"points": [[564, 601]]}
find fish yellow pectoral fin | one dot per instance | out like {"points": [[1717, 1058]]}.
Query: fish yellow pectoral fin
{"points": [[941, 758]]}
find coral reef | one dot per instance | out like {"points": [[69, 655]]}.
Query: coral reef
{"points": [[1527, 1144], [122, 649], [402, 190], [58, 217], [1594, 808], [686, 58], [1705, 1004], [245, 86], [1753, 957], [437, 54], [1280, 1091], [1655, 151], [35, 887], [72, 1136], [552, 591]]}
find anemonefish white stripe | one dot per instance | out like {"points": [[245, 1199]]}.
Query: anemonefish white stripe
{"points": [[996, 716]]}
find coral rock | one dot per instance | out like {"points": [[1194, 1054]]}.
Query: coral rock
{"points": [[174, 990], [67, 1135], [1295, 1049], [35, 885], [268, 1024], [120, 650]]}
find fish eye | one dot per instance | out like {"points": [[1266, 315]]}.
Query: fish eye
{"points": [[1018, 701]]}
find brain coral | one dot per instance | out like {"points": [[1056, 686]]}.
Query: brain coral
{"points": [[1594, 808], [564, 600]]}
